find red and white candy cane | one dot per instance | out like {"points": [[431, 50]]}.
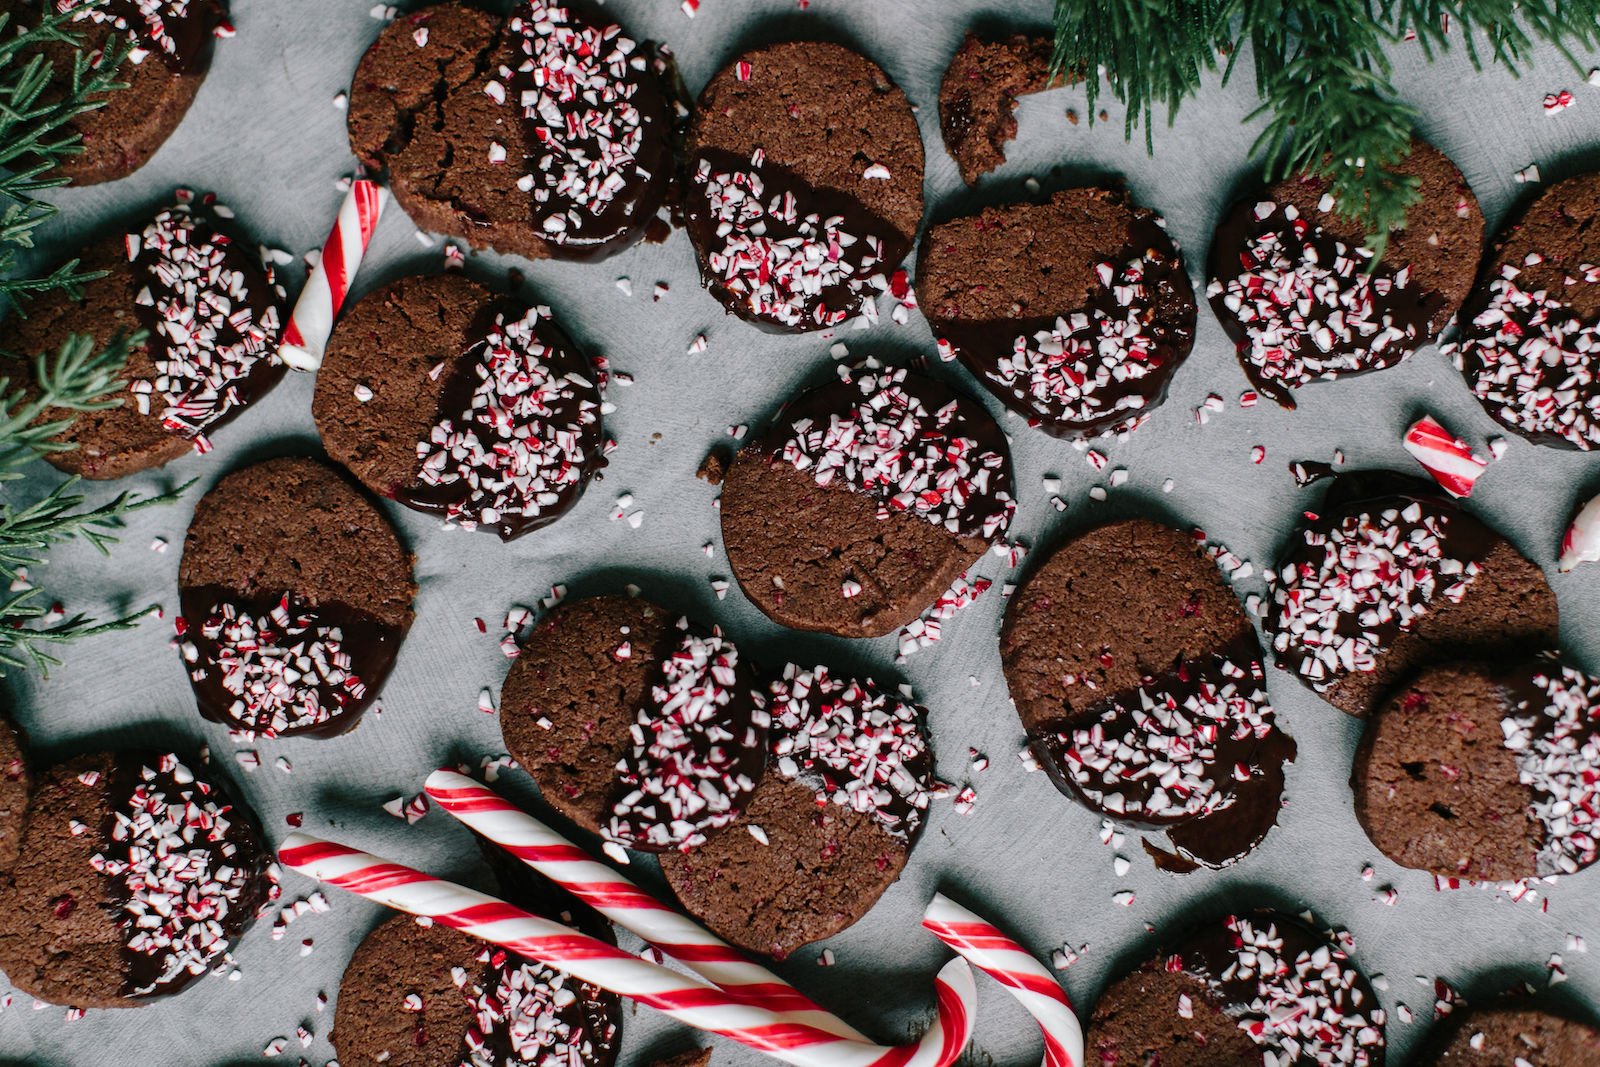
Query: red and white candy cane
{"points": [[1024, 977], [305, 340], [1445, 456], [618, 899], [686, 998]]}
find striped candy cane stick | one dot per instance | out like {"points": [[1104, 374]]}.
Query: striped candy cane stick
{"points": [[686, 998], [311, 323], [624, 903], [1024, 977]]}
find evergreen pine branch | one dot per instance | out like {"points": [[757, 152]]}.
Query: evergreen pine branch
{"points": [[24, 646], [1511, 26]]}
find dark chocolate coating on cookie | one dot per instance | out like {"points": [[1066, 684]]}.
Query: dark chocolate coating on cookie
{"points": [[1512, 1033], [794, 544], [574, 696], [1435, 254], [1508, 607], [121, 136], [1527, 342], [849, 151], [374, 1021], [448, 83], [223, 360], [74, 933], [418, 351], [978, 97], [296, 529], [999, 286], [1118, 626], [1189, 1006]]}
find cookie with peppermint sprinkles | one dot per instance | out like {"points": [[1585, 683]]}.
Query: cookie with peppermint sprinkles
{"points": [[1488, 773], [172, 44], [1078, 323], [1386, 575], [463, 404], [1515, 1032], [422, 996], [139, 873], [1294, 285], [212, 313], [16, 783], [636, 723], [1530, 334], [978, 96], [864, 500], [1263, 988], [830, 828], [296, 595], [803, 187], [555, 127], [1140, 684]]}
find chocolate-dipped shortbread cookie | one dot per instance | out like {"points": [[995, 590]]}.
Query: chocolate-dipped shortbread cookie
{"points": [[831, 826], [1531, 330], [296, 594], [636, 724], [1075, 312], [138, 873], [804, 185], [978, 97], [1489, 773], [545, 134], [1515, 1034], [1139, 681], [1389, 574], [212, 314], [456, 402], [1262, 988], [864, 500], [1296, 288]]}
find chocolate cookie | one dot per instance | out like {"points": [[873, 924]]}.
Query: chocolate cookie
{"points": [[831, 826], [212, 313], [1531, 329], [1389, 575], [1261, 989], [1513, 1034], [1074, 312], [171, 43], [864, 500], [458, 403], [1139, 681], [636, 724], [15, 786], [138, 874], [296, 594], [978, 97], [804, 185], [420, 996], [548, 134], [694, 1058], [1488, 773], [1295, 286]]}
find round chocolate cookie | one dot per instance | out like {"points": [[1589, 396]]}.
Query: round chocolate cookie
{"points": [[1389, 575], [804, 185], [296, 594], [1531, 330], [978, 97], [831, 826], [1074, 312], [15, 786], [636, 724], [1262, 988], [864, 500], [171, 41], [138, 874], [212, 313], [421, 996], [700, 1057], [1512, 1034], [1296, 288], [1139, 682], [546, 134], [1488, 773], [458, 403]]}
